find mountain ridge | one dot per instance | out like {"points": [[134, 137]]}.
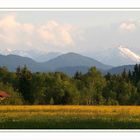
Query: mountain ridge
{"points": [[73, 59], [68, 63], [65, 60]]}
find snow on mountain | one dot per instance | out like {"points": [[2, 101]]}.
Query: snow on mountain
{"points": [[129, 54], [5, 51], [117, 56], [8, 51], [37, 55]]}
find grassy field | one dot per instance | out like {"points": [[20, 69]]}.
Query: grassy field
{"points": [[70, 117]]}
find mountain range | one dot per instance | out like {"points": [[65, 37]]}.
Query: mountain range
{"points": [[68, 63], [115, 56]]}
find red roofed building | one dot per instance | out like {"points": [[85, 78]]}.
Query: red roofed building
{"points": [[3, 95]]}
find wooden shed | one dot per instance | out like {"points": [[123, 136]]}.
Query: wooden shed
{"points": [[3, 95]]}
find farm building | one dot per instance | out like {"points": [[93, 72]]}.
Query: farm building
{"points": [[3, 95]]}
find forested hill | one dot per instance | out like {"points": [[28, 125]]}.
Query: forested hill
{"points": [[91, 88]]}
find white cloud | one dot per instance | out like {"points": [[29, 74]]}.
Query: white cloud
{"points": [[8, 29], [56, 34], [129, 26], [14, 33], [29, 28]]}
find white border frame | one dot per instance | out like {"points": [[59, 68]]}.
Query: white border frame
{"points": [[69, 3]]}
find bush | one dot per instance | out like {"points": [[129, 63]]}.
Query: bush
{"points": [[15, 97]]}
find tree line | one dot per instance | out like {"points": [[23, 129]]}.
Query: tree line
{"points": [[57, 88]]}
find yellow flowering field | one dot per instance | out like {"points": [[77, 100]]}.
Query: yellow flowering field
{"points": [[70, 117]]}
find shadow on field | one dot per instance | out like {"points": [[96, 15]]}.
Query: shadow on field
{"points": [[72, 124]]}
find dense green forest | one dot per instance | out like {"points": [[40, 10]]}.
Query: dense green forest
{"points": [[57, 88]]}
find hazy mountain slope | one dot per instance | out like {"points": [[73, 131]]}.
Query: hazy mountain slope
{"points": [[73, 60], [13, 61], [46, 56], [120, 69], [72, 70]]}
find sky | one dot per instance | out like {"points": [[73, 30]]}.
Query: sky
{"points": [[84, 32]]}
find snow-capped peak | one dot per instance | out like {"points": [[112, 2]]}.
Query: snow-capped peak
{"points": [[129, 54], [37, 55], [6, 51]]}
